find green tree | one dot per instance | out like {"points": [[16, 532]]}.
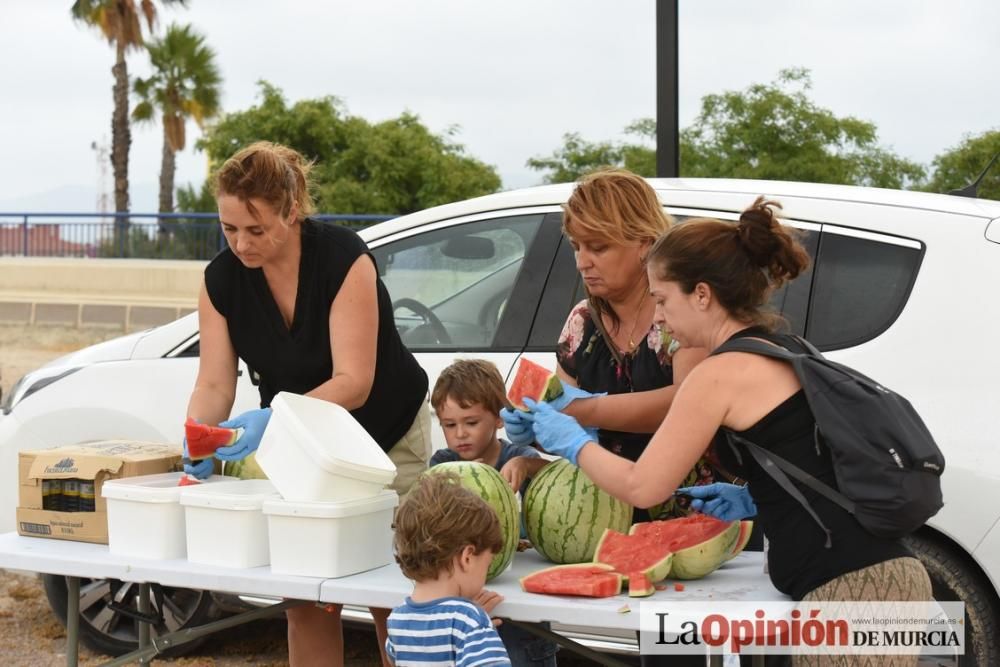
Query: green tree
{"points": [[395, 166], [959, 166], [184, 84], [120, 23]]}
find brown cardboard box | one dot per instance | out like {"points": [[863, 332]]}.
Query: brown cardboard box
{"points": [[97, 461]]}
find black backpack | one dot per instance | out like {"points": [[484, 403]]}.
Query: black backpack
{"points": [[887, 465]]}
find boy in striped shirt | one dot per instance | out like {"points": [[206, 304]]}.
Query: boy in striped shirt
{"points": [[445, 538]]}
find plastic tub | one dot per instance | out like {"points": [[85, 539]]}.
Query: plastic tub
{"points": [[135, 504], [224, 522], [314, 450], [331, 539]]}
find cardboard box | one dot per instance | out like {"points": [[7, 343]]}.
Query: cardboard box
{"points": [[92, 461]]}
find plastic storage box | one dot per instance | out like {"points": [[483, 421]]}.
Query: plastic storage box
{"points": [[314, 450], [331, 539], [224, 522], [145, 518]]}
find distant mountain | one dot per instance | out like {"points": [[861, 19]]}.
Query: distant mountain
{"points": [[79, 199]]}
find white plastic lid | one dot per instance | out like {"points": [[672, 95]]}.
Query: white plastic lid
{"points": [[159, 488], [387, 499], [242, 494], [333, 439]]}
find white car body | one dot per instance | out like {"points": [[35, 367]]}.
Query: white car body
{"points": [[937, 350]]}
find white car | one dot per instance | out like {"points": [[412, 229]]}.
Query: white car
{"points": [[900, 288]]}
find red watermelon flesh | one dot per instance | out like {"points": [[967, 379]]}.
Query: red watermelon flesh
{"points": [[746, 527], [584, 579], [700, 543], [188, 480], [533, 381], [681, 533], [629, 554], [203, 440], [639, 585]]}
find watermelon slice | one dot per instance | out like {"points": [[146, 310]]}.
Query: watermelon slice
{"points": [[634, 554], [188, 480], [639, 585], [699, 543], [534, 382], [593, 580], [203, 440]]}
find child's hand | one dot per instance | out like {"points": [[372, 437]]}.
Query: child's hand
{"points": [[488, 600], [515, 472]]}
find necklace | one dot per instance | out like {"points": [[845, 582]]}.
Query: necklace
{"points": [[635, 322]]}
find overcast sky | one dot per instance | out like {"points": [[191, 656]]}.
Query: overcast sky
{"points": [[513, 75]]}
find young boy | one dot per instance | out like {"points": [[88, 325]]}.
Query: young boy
{"points": [[467, 398], [445, 538]]}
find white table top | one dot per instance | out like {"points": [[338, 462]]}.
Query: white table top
{"points": [[742, 578]]}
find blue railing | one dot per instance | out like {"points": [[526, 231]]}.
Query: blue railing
{"points": [[139, 235]]}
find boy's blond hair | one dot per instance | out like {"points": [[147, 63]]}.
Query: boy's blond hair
{"points": [[471, 382], [437, 520]]}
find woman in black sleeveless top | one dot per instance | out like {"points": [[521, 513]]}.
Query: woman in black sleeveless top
{"points": [[301, 303], [710, 280]]}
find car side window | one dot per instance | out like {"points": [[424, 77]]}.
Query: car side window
{"points": [[450, 286], [860, 285]]}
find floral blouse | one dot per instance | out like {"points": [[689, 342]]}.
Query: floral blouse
{"points": [[584, 354]]}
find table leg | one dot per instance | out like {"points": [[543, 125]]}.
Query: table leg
{"points": [[715, 660], [572, 646], [72, 620], [144, 628]]}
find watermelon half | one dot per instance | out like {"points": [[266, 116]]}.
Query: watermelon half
{"points": [[746, 528], [634, 554], [534, 382], [585, 579], [203, 440], [699, 543]]}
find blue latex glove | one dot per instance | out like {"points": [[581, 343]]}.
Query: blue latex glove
{"points": [[199, 469], [557, 433], [728, 502], [518, 426], [570, 394], [253, 423]]}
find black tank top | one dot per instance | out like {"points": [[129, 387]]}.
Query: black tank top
{"points": [[298, 359], [798, 561]]}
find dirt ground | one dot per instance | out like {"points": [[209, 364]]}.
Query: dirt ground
{"points": [[31, 635]]}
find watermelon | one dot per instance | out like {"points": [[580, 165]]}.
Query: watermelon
{"points": [[245, 468], [746, 527], [585, 579], [639, 585], [486, 482], [188, 480], [700, 543], [634, 554], [203, 440], [534, 382], [565, 514]]}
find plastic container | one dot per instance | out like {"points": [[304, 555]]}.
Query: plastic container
{"points": [[314, 450], [331, 539], [145, 518], [224, 522]]}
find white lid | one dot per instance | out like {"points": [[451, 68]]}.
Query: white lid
{"points": [[333, 439], [242, 494], [387, 499], [159, 488]]}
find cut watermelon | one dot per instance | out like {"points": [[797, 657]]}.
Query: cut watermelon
{"points": [[203, 440], [628, 554], [700, 543], [746, 527], [639, 585], [188, 480], [585, 579], [534, 382]]}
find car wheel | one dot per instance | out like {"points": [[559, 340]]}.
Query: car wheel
{"points": [[953, 580], [106, 625]]}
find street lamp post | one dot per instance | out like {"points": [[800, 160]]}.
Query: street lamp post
{"points": [[667, 131]]}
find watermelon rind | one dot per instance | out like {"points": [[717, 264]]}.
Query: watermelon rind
{"points": [[488, 484], [553, 389], [590, 567], [742, 539], [702, 559], [658, 569], [639, 585], [245, 468], [565, 514]]}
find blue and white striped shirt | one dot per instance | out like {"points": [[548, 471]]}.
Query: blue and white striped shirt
{"points": [[446, 631]]}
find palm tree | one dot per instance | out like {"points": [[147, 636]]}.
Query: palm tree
{"points": [[120, 22], [184, 84]]}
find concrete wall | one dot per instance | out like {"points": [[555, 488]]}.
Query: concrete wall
{"points": [[126, 294]]}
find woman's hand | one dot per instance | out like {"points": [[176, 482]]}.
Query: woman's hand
{"points": [[557, 433], [728, 502], [517, 426], [253, 423]]}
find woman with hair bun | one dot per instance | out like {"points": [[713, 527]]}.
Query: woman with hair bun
{"points": [[302, 304], [710, 281]]}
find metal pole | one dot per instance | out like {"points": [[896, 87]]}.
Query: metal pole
{"points": [[72, 620], [667, 121], [144, 608], [24, 235]]}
